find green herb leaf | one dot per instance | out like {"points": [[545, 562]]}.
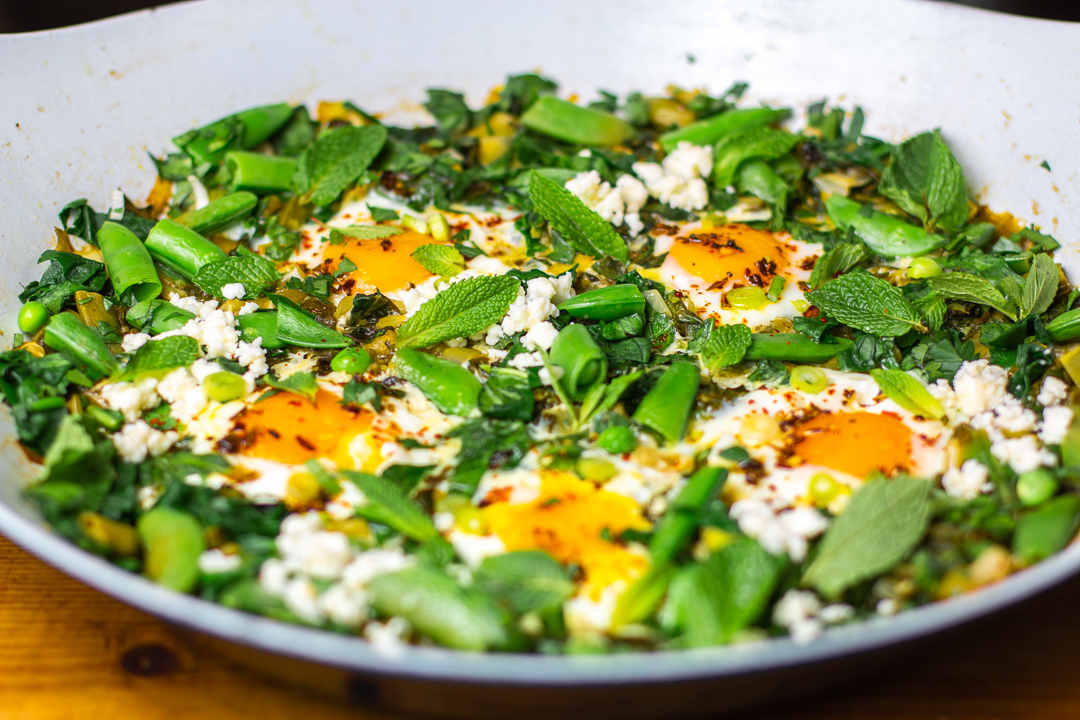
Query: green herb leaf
{"points": [[389, 506], [971, 288], [527, 580], [363, 232], [299, 383], [926, 180], [461, 310], [480, 439], [67, 274], [725, 346], [359, 393], [862, 301], [840, 259], [1041, 286], [257, 274], [880, 526], [908, 393], [335, 161], [299, 327], [165, 354], [582, 227], [733, 150], [439, 259]]}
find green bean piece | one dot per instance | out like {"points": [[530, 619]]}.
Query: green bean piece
{"points": [[1065, 326], [32, 317], [261, 324], [452, 388], [158, 316], [665, 409], [210, 143], [354, 361], [676, 529], [129, 263], [709, 130], [884, 234], [435, 605], [793, 347], [172, 543], [262, 122], [180, 248], [219, 213], [582, 361], [258, 173], [642, 598], [66, 332], [617, 439], [575, 124], [1045, 530], [299, 327], [609, 303]]}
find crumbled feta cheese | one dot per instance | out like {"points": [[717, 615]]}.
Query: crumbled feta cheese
{"points": [[233, 291], [886, 606], [1055, 424], [130, 399], [1022, 454], [305, 546], [967, 481], [542, 335], [344, 505], [797, 611], [678, 181], [202, 369], [343, 606], [1052, 392], [942, 392], [979, 386], [474, 549], [252, 356], [1009, 417], [368, 565], [148, 496], [615, 204], [586, 616], [779, 531], [389, 637], [302, 600], [248, 308], [136, 440], [216, 562], [185, 396], [134, 341]]}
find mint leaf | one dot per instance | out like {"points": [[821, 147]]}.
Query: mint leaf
{"points": [[335, 161], [1041, 286], [583, 228], [907, 392], [880, 526], [527, 580], [256, 273], [840, 259], [926, 180], [165, 354], [862, 301], [972, 288], [440, 259], [733, 150], [299, 383], [363, 232], [725, 345], [389, 506], [297, 326], [461, 310]]}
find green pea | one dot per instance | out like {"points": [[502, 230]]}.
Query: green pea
{"points": [[33, 317], [617, 439], [596, 469], [172, 543], [353, 361], [923, 267], [224, 386], [1036, 487]]}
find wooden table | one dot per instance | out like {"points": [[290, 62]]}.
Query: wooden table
{"points": [[69, 652]]}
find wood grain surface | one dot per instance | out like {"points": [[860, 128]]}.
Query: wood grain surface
{"points": [[67, 651]]}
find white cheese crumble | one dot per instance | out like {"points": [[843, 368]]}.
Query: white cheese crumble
{"points": [[130, 399], [216, 562], [979, 386], [535, 303], [801, 612], [678, 181], [233, 291], [1052, 392], [134, 341], [1055, 424], [137, 440], [618, 204], [967, 481], [779, 530]]}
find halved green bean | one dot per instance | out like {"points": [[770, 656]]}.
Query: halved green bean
{"points": [[299, 327], [172, 542], [884, 234], [261, 174], [262, 122], [1065, 326], [665, 409], [66, 332], [674, 532], [575, 124], [129, 263], [260, 324], [180, 248], [220, 212], [582, 361], [792, 347], [158, 316], [452, 388], [247, 129], [709, 130], [609, 303]]}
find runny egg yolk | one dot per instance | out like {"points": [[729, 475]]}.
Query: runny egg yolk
{"points": [[731, 255], [567, 521], [385, 264], [855, 443], [290, 429]]}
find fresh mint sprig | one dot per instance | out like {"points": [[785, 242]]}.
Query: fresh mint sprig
{"points": [[461, 310], [862, 301], [582, 227]]}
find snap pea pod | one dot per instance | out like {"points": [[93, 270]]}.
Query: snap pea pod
{"points": [[575, 124], [129, 263], [299, 327], [435, 605], [1046, 529], [220, 212], [792, 347], [675, 530], [884, 234], [158, 316], [258, 173], [758, 178], [180, 248], [1065, 326], [665, 409], [172, 542], [209, 143], [261, 324], [452, 388], [609, 303], [66, 332], [582, 361], [709, 130]]}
